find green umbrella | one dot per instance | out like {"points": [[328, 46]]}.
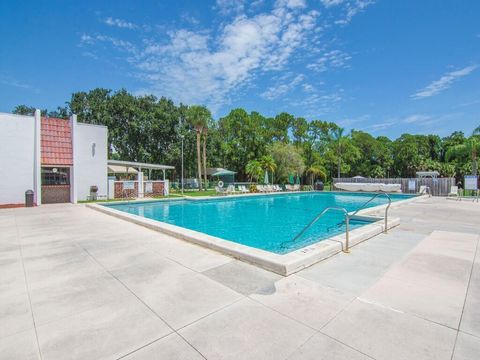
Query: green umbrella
{"points": [[291, 180]]}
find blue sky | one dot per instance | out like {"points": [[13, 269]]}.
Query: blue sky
{"points": [[386, 67]]}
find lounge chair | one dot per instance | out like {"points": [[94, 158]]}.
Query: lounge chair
{"points": [[454, 191], [277, 188], [424, 190], [296, 187], [243, 189], [260, 188], [231, 189], [220, 191]]}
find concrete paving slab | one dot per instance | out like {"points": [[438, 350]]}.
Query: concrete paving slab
{"points": [[171, 347], [435, 303], [192, 256], [20, 346], [179, 295], [108, 331], [305, 301], [246, 330], [322, 347], [384, 333], [15, 315], [73, 296], [471, 313], [467, 347], [244, 278]]}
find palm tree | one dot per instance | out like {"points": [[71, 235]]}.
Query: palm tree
{"points": [[253, 169], [471, 147], [316, 171], [198, 117], [268, 164], [205, 131], [476, 131], [338, 139]]}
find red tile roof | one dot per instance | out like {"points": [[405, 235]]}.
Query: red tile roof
{"points": [[56, 141]]}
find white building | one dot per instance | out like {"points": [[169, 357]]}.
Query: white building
{"points": [[58, 159]]}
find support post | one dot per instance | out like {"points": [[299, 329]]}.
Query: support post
{"points": [[140, 183], [73, 175], [37, 163]]}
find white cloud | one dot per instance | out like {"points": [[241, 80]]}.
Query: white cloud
{"points": [[274, 92], [119, 23], [380, 126], [416, 119], [443, 83], [331, 59], [230, 6], [330, 3], [292, 4], [199, 68], [350, 8]]}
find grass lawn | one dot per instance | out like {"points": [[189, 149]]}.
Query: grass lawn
{"points": [[196, 193]]}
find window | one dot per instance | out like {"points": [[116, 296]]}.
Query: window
{"points": [[55, 176]]}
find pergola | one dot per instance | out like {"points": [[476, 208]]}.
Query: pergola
{"points": [[139, 166], [426, 174], [129, 165]]}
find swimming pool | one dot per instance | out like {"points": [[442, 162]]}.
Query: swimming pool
{"points": [[268, 222]]}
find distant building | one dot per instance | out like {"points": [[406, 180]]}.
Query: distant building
{"points": [[58, 159]]}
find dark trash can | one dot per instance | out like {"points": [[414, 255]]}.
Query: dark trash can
{"points": [[29, 198], [319, 185], [93, 192]]}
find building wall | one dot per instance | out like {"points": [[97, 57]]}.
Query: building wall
{"points": [[89, 166], [17, 157]]}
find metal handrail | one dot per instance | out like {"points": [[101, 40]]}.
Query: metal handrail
{"points": [[347, 218], [386, 209], [335, 208]]}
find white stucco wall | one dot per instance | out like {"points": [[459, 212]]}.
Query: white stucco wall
{"points": [[17, 157], [90, 168]]}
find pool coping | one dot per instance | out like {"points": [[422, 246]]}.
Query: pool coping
{"points": [[283, 264]]}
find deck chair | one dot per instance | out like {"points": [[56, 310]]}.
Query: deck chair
{"points": [[424, 190], [454, 191]]}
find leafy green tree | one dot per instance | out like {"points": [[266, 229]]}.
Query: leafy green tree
{"points": [[340, 148], [243, 139], [198, 117], [27, 110], [470, 148], [268, 164], [254, 170], [288, 159]]}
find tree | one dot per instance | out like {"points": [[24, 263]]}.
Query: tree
{"points": [[254, 170], [316, 171], [268, 164], [243, 138], [476, 131], [341, 147], [27, 110], [339, 144], [288, 160], [470, 148], [198, 117]]}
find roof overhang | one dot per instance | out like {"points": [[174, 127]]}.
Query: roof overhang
{"points": [[140, 165]]}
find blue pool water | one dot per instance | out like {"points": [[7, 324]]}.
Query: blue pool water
{"points": [[264, 222]]}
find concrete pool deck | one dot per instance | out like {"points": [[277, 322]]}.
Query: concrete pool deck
{"points": [[79, 284]]}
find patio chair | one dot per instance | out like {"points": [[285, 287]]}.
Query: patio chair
{"points": [[220, 191], [243, 189], [260, 188], [454, 191], [231, 189], [296, 187], [424, 190]]}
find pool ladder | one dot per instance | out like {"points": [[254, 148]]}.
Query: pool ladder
{"points": [[348, 216]]}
